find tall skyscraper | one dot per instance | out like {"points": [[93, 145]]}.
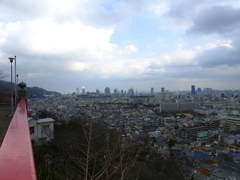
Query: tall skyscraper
{"points": [[107, 91], [152, 91], [193, 90], [131, 92], [162, 89]]}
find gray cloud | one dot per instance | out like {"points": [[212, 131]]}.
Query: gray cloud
{"points": [[187, 9], [223, 21], [183, 9], [218, 19], [219, 56]]}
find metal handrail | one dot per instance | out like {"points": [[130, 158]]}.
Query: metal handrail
{"points": [[16, 155]]}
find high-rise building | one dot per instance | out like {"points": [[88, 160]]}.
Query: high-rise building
{"points": [[107, 91], [83, 90], [162, 89], [77, 91], [136, 92], [97, 91], [199, 90], [122, 92], [152, 91], [193, 90], [115, 91], [208, 91], [131, 92]]}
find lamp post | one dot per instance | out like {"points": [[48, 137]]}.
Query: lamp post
{"points": [[15, 79], [11, 61]]}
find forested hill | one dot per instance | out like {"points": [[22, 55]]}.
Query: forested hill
{"points": [[5, 87]]}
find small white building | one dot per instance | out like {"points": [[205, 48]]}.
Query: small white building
{"points": [[41, 129]]}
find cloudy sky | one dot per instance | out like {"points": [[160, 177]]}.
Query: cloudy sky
{"points": [[64, 44]]}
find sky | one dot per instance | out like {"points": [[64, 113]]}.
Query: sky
{"points": [[67, 44]]}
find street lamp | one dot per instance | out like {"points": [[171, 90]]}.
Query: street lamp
{"points": [[11, 61], [15, 78]]}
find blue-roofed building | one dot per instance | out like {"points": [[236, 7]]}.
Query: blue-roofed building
{"points": [[235, 132], [201, 155]]}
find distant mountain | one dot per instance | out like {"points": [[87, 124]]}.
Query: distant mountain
{"points": [[33, 92], [40, 92]]}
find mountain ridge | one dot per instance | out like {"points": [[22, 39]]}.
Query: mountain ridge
{"points": [[33, 92]]}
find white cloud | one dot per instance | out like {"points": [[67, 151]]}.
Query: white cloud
{"points": [[160, 8], [78, 66], [131, 48], [125, 68], [48, 37]]}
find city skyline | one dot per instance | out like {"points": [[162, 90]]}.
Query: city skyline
{"points": [[193, 90], [62, 44]]}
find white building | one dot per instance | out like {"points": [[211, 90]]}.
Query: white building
{"points": [[41, 129]]}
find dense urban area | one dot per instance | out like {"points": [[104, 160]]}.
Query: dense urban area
{"points": [[131, 135]]}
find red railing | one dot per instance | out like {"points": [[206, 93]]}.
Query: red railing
{"points": [[16, 156]]}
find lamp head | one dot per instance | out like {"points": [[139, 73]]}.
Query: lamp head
{"points": [[11, 59]]}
